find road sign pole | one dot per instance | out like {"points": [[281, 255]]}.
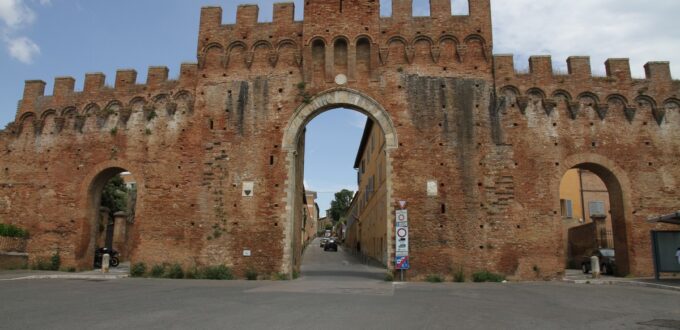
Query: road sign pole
{"points": [[401, 276]]}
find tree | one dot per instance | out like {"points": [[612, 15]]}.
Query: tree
{"points": [[115, 195], [340, 204]]}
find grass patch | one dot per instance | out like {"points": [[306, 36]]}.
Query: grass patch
{"points": [[138, 269], [487, 276], [434, 278], [281, 277], [220, 272], [459, 276], [389, 277]]}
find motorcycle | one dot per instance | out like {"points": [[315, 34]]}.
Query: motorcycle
{"points": [[99, 255]]}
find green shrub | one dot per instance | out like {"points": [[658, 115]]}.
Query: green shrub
{"points": [[71, 269], [296, 274], [220, 272], [41, 264], [8, 230], [433, 278], [251, 275], [114, 131], [486, 276], [459, 276], [281, 277], [55, 261], [157, 271], [175, 271], [138, 269], [389, 277]]}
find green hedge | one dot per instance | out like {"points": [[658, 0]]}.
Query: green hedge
{"points": [[12, 231]]}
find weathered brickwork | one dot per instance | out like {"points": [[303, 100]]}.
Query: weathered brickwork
{"points": [[496, 141]]}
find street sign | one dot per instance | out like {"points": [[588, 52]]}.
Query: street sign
{"points": [[402, 204], [401, 262], [401, 233], [402, 217]]}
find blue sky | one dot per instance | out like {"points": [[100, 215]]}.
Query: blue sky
{"points": [[44, 39]]}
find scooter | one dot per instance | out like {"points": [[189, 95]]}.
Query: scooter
{"points": [[99, 255]]}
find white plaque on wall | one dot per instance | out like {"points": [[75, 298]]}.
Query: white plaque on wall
{"points": [[248, 189], [432, 188]]}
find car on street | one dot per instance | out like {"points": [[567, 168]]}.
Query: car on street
{"points": [[606, 258], [323, 241], [331, 245]]}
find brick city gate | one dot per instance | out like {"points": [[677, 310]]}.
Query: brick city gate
{"points": [[496, 142]]}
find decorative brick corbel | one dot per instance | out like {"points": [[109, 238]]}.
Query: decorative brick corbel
{"points": [[523, 102], [59, 124], [383, 52], [602, 109], [298, 58], [38, 126], [410, 54], [549, 105], [171, 108], [79, 123], [273, 58], [461, 52], [574, 108], [436, 52], [125, 114], [249, 58], [659, 114], [629, 112]]}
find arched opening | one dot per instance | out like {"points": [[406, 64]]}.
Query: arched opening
{"points": [[593, 220], [363, 58], [319, 60], [340, 57], [112, 200], [363, 227]]}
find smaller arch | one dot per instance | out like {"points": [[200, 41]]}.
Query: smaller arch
{"points": [[397, 38], [212, 45], [616, 97], [26, 116], [160, 97], [48, 112], [640, 100], [422, 38], [590, 95], [561, 93], [363, 36], [338, 38], [536, 91], [671, 104], [316, 39], [69, 111], [236, 44], [474, 37], [112, 104], [90, 109], [183, 94], [286, 42], [262, 43], [136, 100], [448, 37], [510, 89]]}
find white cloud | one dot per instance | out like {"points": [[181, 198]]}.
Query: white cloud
{"points": [[638, 30], [22, 49], [15, 15]]}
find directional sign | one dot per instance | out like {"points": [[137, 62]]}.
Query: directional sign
{"points": [[401, 262], [401, 233]]}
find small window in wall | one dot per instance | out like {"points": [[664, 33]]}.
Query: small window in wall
{"points": [[460, 7], [596, 208], [566, 208]]}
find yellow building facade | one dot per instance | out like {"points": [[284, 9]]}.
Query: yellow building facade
{"points": [[366, 219]]}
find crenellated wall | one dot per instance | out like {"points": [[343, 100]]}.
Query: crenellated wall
{"points": [[494, 141]]}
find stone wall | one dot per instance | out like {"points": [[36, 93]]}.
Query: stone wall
{"points": [[497, 142]]}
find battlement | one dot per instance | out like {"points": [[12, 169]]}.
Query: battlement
{"points": [[35, 101]]}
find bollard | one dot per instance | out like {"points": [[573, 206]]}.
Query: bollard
{"points": [[595, 266], [106, 259]]}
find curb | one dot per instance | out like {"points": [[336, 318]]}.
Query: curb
{"points": [[67, 277], [625, 283]]}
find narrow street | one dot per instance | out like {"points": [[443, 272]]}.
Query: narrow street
{"points": [[318, 264]]}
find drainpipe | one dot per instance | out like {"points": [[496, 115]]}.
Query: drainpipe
{"points": [[580, 186]]}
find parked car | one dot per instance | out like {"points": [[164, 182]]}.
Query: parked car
{"points": [[331, 245], [323, 241], [607, 261]]}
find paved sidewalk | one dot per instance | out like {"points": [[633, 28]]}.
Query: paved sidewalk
{"points": [[577, 277], [122, 271]]}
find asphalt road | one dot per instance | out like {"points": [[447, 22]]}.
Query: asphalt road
{"points": [[335, 292]]}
